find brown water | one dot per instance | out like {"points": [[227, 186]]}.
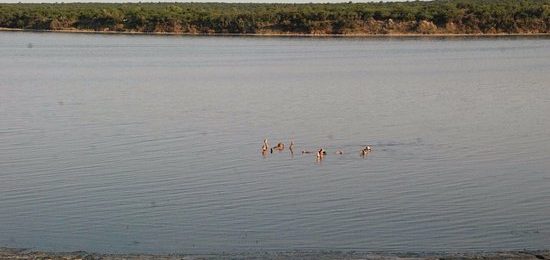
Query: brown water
{"points": [[150, 144]]}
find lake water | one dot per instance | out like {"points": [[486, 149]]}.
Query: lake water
{"points": [[147, 144]]}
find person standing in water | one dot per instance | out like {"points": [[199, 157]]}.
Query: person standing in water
{"points": [[265, 147]]}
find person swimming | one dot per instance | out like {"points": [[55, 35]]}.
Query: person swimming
{"points": [[321, 153], [366, 150], [279, 147]]}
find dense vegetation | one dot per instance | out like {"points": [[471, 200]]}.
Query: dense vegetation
{"points": [[440, 16]]}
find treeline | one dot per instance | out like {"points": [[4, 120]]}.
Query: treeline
{"points": [[440, 16]]}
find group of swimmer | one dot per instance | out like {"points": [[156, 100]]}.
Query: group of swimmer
{"points": [[320, 153]]}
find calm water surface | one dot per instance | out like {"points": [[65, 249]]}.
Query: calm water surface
{"points": [[150, 144]]}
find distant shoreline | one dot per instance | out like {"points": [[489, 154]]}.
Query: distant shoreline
{"points": [[14, 253], [271, 34], [410, 18]]}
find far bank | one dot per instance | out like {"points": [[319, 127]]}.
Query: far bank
{"points": [[453, 17], [273, 34]]}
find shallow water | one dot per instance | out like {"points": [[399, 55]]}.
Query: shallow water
{"points": [[114, 143]]}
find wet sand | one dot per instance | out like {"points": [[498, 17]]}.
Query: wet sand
{"points": [[19, 254]]}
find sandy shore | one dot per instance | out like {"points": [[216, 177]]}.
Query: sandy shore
{"points": [[271, 34], [21, 254]]}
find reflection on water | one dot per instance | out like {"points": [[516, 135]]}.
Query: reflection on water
{"points": [[153, 144]]}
